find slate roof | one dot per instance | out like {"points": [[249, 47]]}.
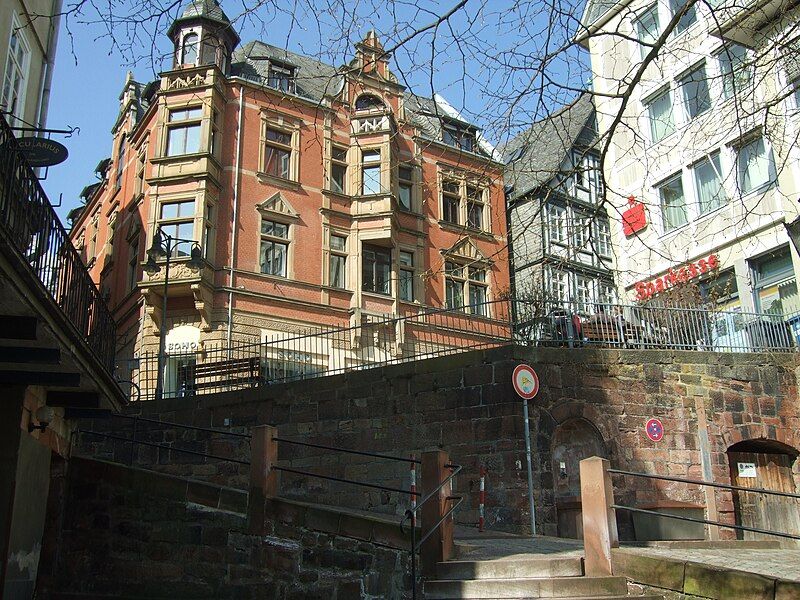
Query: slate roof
{"points": [[207, 9], [316, 80], [541, 149]]}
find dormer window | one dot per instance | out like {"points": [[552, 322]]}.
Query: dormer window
{"points": [[458, 138], [189, 50], [369, 102], [281, 77]]}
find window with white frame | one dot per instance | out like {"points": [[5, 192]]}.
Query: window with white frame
{"points": [[736, 69], [274, 248], [191, 42], [469, 282], [16, 72], [755, 166], [559, 284], [688, 19], [406, 277], [584, 291], [659, 112], [376, 269], [475, 207], [337, 275], [278, 153], [557, 223], [281, 77], [451, 201], [120, 162], [133, 263], [183, 131], [603, 238], [790, 56], [176, 219], [339, 169], [673, 203], [580, 230], [647, 28], [606, 293], [696, 95], [405, 187], [708, 183], [371, 172]]}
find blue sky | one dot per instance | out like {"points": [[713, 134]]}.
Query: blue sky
{"points": [[485, 54]]}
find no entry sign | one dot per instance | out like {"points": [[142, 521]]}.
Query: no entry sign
{"points": [[654, 430], [526, 382]]}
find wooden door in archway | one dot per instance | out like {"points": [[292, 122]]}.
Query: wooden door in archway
{"points": [[770, 472]]}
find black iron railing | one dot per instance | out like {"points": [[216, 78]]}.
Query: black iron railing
{"points": [[701, 483], [30, 228]]}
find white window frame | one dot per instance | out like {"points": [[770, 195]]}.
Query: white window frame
{"points": [[185, 124], [14, 72]]}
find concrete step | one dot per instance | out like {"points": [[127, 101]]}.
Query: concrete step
{"points": [[554, 587], [510, 568]]}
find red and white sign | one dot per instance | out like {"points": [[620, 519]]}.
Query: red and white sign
{"points": [[654, 430], [526, 381], [682, 274], [634, 219]]}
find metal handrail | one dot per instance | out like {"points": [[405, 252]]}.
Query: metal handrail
{"points": [[346, 451], [706, 521], [701, 482], [183, 426], [351, 481], [164, 446], [707, 483], [32, 230]]}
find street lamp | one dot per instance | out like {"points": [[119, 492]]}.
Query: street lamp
{"points": [[164, 245]]}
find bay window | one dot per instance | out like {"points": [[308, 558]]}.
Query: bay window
{"points": [[183, 131], [371, 172], [376, 269], [176, 220]]}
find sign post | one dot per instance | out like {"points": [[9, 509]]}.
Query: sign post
{"points": [[526, 384]]}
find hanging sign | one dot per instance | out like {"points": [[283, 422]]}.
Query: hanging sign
{"points": [[634, 219], [654, 430], [41, 152], [746, 470], [526, 382]]}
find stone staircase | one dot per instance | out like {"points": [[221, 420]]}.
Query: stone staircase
{"points": [[515, 577]]}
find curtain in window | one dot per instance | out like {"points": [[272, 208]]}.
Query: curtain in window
{"points": [[661, 122], [755, 166], [710, 193], [673, 204]]}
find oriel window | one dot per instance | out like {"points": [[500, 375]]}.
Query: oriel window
{"points": [[183, 131]]}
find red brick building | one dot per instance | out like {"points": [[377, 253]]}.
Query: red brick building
{"points": [[316, 195]]}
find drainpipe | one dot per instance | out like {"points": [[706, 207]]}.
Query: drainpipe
{"points": [[235, 217], [46, 80]]}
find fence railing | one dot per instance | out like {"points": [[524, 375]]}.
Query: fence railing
{"points": [[577, 324], [598, 511], [319, 351], [31, 229]]}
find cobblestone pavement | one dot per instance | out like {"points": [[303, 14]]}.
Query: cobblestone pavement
{"points": [[783, 563]]}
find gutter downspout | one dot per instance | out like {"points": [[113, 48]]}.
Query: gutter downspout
{"points": [[235, 216], [46, 80]]}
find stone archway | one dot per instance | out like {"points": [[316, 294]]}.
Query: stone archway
{"points": [[766, 464], [573, 440]]}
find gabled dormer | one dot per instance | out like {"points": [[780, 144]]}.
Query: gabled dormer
{"points": [[203, 35]]}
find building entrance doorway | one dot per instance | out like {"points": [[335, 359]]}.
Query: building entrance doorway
{"points": [[573, 440], [765, 464]]}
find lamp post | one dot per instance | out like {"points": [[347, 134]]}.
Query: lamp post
{"points": [[164, 245]]}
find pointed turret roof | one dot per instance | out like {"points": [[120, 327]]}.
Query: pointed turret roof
{"points": [[204, 10]]}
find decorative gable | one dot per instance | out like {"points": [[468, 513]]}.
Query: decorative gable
{"points": [[278, 206], [465, 250]]}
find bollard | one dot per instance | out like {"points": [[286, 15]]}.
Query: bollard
{"points": [[599, 518], [482, 499], [263, 476]]}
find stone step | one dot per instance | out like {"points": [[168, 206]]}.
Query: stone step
{"points": [[645, 597], [527, 587], [510, 568]]}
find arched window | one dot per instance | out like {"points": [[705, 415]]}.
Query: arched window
{"points": [[368, 102], [189, 52]]}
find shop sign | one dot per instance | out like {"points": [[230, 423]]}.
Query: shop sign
{"points": [[41, 152], [634, 219], [682, 274], [746, 470], [183, 339]]}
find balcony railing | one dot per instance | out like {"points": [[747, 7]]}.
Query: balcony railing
{"points": [[31, 231]]}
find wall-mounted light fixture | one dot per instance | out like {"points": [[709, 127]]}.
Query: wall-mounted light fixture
{"points": [[44, 415]]}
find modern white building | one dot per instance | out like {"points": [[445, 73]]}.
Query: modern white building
{"points": [[702, 168]]}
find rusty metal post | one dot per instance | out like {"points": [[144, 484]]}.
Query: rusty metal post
{"points": [[263, 476], [439, 546], [599, 518]]}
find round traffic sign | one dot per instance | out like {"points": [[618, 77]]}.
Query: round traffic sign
{"points": [[654, 430], [526, 382]]}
